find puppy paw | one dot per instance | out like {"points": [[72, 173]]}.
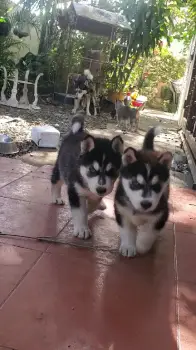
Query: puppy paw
{"points": [[82, 232], [143, 246], [58, 201], [128, 251], [73, 111]]}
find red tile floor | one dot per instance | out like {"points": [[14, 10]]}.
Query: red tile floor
{"points": [[83, 295]]}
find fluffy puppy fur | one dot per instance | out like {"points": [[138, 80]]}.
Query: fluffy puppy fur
{"points": [[141, 199], [89, 167]]}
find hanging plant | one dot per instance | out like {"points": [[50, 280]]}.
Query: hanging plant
{"points": [[19, 33], [4, 26]]}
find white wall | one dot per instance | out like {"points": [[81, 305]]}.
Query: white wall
{"points": [[31, 42], [187, 79]]}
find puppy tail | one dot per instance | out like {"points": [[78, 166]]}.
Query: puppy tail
{"points": [[149, 138], [77, 124], [88, 74]]}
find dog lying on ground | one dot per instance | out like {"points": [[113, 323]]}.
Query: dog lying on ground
{"points": [[141, 199], [126, 116], [85, 92], [89, 166]]}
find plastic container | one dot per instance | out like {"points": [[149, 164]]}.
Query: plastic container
{"points": [[45, 136]]}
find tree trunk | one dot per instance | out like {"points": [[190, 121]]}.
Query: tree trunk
{"points": [[44, 38]]}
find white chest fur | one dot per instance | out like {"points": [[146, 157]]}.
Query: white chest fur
{"points": [[136, 219]]}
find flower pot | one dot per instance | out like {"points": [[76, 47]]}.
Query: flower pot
{"points": [[4, 26]]}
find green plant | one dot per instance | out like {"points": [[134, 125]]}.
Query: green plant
{"points": [[8, 45], [150, 21], [162, 67], [166, 93]]}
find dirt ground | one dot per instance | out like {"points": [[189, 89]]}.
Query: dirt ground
{"points": [[18, 123]]}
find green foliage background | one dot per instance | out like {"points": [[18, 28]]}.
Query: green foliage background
{"points": [[8, 43], [59, 54]]}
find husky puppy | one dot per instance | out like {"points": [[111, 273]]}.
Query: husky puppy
{"points": [[141, 199], [89, 166], [85, 91], [126, 115]]}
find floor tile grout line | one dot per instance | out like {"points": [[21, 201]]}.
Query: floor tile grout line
{"points": [[7, 347], [89, 247], [11, 182], [14, 172], [29, 239], [20, 281], [22, 247], [20, 177], [51, 243], [177, 292], [26, 201], [67, 244]]}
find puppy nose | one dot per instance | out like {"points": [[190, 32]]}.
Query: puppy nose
{"points": [[101, 190], [146, 204]]}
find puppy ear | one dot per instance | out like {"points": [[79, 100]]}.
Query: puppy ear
{"points": [[87, 144], [117, 144], [166, 159], [129, 156]]}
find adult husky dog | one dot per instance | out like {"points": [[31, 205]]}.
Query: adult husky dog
{"points": [[85, 92]]}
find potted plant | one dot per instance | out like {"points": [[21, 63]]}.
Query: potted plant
{"points": [[4, 26]]}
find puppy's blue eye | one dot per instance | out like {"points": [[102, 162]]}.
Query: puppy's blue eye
{"points": [[92, 169], [135, 185]]}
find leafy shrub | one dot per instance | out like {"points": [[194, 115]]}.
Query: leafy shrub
{"points": [[166, 93]]}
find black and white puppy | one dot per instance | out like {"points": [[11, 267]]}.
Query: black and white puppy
{"points": [[89, 167], [85, 92], [141, 199]]}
